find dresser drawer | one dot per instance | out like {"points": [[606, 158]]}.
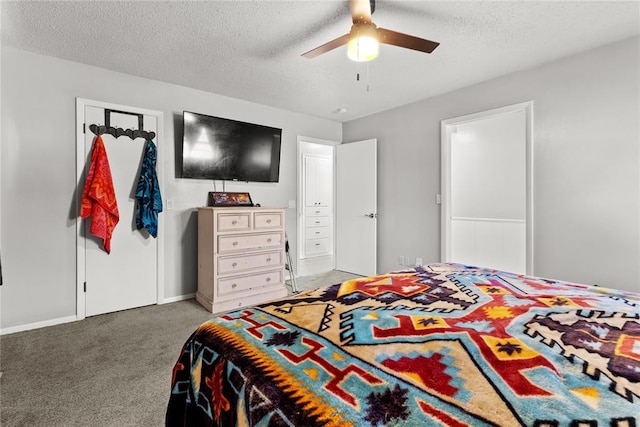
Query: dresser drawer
{"points": [[241, 242], [321, 221], [230, 285], [316, 232], [266, 220], [316, 246], [231, 264], [317, 211], [232, 221]]}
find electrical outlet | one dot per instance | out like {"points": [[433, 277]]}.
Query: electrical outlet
{"points": [[406, 261], [419, 261]]}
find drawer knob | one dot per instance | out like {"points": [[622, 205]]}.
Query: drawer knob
{"points": [[234, 264], [268, 259], [317, 211], [317, 244], [268, 279], [317, 222], [234, 222], [269, 240], [235, 285], [268, 221], [317, 232], [235, 243]]}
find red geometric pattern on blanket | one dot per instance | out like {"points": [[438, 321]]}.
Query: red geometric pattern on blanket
{"points": [[220, 402], [253, 330], [430, 370], [337, 375], [628, 346], [510, 368], [403, 286], [438, 415]]}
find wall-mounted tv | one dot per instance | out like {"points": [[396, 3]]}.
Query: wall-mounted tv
{"points": [[224, 149]]}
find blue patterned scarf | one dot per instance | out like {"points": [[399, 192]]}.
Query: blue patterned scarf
{"points": [[148, 199]]}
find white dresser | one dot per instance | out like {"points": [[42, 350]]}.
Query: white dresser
{"points": [[241, 256]]}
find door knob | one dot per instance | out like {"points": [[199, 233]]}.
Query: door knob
{"points": [[371, 215]]}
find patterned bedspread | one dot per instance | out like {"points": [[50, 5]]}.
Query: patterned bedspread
{"points": [[444, 344]]}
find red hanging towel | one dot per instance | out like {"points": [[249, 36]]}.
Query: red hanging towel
{"points": [[99, 197]]}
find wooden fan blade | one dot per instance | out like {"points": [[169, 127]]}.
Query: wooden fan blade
{"points": [[360, 11], [340, 41], [404, 40]]}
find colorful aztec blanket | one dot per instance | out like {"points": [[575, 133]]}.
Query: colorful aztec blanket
{"points": [[441, 345]]}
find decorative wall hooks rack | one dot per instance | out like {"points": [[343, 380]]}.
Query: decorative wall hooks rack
{"points": [[117, 132]]}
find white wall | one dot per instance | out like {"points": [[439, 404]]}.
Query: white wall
{"points": [[38, 175], [586, 165]]}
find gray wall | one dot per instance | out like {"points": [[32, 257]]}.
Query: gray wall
{"points": [[586, 165], [38, 175], [586, 173]]}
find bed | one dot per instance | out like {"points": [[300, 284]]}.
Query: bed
{"points": [[442, 345]]}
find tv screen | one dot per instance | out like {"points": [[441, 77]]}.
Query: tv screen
{"points": [[224, 149]]}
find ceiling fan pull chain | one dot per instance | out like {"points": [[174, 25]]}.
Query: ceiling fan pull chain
{"points": [[367, 76]]}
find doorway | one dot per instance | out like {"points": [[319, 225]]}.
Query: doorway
{"points": [[316, 206], [344, 206], [131, 275], [487, 200]]}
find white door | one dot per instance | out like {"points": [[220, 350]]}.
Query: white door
{"points": [[128, 276], [356, 207], [486, 192]]}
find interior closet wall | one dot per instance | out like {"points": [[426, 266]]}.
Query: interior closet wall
{"points": [[316, 221], [586, 173], [39, 185]]}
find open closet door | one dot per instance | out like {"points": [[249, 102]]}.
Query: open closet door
{"points": [[356, 207], [128, 277]]}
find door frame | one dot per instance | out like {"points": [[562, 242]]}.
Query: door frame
{"points": [[446, 130], [81, 103], [300, 196]]}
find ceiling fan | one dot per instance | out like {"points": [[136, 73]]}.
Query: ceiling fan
{"points": [[363, 39]]}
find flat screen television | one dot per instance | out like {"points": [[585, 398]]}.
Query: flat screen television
{"points": [[224, 149]]}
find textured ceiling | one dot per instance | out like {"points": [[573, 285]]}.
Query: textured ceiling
{"points": [[251, 49]]}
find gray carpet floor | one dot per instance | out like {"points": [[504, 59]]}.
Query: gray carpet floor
{"points": [[108, 370], [329, 278]]}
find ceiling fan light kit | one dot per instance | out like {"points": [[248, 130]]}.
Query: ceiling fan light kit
{"points": [[363, 42], [364, 39]]}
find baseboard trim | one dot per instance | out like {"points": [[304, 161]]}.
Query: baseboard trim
{"points": [[74, 318], [37, 325], [314, 265], [178, 298]]}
